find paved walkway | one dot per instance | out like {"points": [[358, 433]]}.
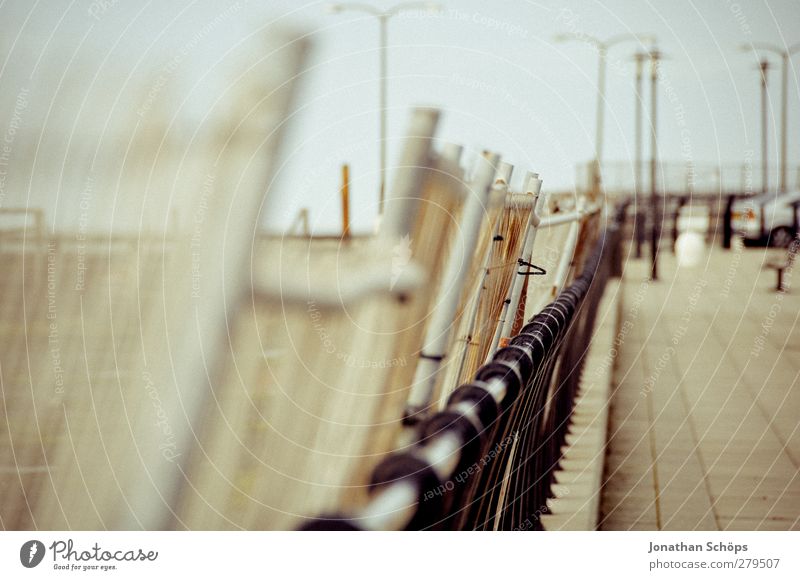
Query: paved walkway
{"points": [[704, 424]]}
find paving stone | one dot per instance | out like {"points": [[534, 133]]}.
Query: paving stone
{"points": [[694, 411]]}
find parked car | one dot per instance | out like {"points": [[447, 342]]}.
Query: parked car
{"points": [[768, 217]]}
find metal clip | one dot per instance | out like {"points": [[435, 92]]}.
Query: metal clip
{"points": [[537, 271]]}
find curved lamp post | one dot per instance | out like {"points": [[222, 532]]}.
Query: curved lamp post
{"points": [[383, 17], [602, 47]]}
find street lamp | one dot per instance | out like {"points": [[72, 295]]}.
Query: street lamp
{"points": [[655, 228], [639, 58], [602, 47], [383, 17], [785, 55], [764, 66]]}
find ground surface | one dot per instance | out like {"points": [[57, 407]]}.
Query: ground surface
{"points": [[703, 429]]}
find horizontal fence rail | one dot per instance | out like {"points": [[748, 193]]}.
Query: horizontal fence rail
{"points": [[676, 178]]}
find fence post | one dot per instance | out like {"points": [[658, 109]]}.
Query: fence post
{"points": [[727, 228], [456, 270]]}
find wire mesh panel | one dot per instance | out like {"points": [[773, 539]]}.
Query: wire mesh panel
{"points": [[494, 265], [486, 459], [131, 193]]}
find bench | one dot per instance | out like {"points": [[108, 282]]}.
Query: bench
{"points": [[784, 263]]}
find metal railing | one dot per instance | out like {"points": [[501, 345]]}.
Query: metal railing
{"points": [[680, 178], [487, 460]]}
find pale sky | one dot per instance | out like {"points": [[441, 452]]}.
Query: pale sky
{"points": [[493, 68], [505, 85]]}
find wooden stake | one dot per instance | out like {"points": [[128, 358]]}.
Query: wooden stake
{"points": [[345, 191]]}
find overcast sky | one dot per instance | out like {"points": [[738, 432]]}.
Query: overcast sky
{"points": [[505, 85], [492, 67]]}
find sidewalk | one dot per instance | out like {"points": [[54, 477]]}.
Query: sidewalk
{"points": [[703, 428]]}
